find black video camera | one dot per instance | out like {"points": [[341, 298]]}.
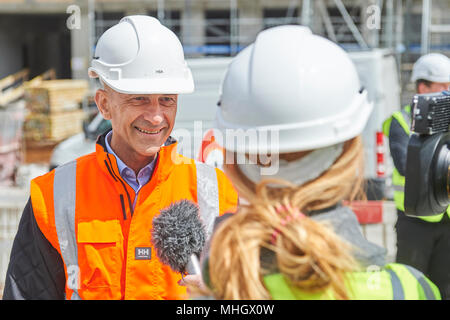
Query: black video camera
{"points": [[427, 184]]}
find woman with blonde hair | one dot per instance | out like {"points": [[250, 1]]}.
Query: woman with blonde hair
{"points": [[292, 238]]}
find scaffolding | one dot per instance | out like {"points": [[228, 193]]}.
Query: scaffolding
{"points": [[405, 27], [222, 32], [429, 28]]}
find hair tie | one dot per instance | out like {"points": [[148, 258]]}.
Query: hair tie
{"points": [[286, 208]]}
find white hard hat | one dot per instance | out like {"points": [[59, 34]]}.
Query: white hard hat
{"points": [[141, 56], [434, 67], [299, 84]]}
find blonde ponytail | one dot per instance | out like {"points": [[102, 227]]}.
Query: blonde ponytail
{"points": [[308, 253], [311, 256]]}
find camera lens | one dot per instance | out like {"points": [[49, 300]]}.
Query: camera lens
{"points": [[442, 175]]}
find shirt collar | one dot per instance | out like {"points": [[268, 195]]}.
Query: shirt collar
{"points": [[120, 164]]}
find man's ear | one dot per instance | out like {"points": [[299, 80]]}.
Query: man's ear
{"points": [[422, 88], [102, 100]]}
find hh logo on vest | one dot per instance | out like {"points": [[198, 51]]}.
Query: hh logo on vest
{"points": [[142, 253]]}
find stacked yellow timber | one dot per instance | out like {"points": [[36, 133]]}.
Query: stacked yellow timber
{"points": [[53, 126], [54, 109], [52, 96], [12, 87]]}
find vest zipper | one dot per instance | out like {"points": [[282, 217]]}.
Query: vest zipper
{"points": [[120, 180], [122, 202], [110, 172]]}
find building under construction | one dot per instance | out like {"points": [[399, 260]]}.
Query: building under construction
{"points": [[43, 34]]}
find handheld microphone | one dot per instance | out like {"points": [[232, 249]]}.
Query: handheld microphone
{"points": [[179, 236]]}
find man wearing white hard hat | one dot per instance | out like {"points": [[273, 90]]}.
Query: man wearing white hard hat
{"points": [[86, 230], [422, 242]]}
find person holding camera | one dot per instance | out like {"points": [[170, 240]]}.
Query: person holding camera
{"points": [[422, 242], [291, 237]]}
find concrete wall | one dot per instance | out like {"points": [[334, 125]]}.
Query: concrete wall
{"points": [[37, 42], [10, 54]]}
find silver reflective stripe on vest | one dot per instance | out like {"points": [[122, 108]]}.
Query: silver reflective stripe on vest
{"points": [[397, 288], [64, 190], [207, 195], [425, 285], [407, 117]]}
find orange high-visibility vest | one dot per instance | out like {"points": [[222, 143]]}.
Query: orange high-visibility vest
{"points": [[84, 208]]}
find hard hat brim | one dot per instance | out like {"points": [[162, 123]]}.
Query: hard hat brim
{"points": [[437, 79], [151, 86], [296, 137]]}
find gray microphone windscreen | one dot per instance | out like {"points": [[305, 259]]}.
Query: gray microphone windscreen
{"points": [[177, 234]]}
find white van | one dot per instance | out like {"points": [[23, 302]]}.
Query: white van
{"points": [[377, 70]]}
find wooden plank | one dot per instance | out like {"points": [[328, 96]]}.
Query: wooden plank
{"points": [[9, 80], [11, 95], [63, 84], [15, 91], [49, 74]]}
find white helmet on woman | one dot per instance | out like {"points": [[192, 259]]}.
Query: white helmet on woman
{"points": [[141, 56], [302, 85]]}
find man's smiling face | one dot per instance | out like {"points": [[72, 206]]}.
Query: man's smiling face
{"points": [[141, 122]]}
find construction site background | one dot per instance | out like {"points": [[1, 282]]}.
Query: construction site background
{"points": [[46, 47]]}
